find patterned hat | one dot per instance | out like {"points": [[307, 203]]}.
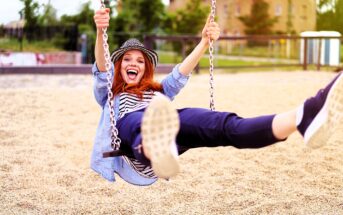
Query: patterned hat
{"points": [[134, 44]]}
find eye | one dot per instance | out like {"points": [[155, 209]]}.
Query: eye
{"points": [[126, 59]]}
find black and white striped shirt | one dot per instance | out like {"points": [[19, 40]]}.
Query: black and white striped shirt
{"points": [[129, 103]]}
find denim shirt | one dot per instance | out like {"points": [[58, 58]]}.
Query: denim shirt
{"points": [[106, 167]]}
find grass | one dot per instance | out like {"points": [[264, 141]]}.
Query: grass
{"points": [[276, 49], [205, 70], [204, 62], [169, 58], [14, 45], [7, 44]]}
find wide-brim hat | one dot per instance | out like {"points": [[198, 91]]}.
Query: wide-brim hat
{"points": [[134, 44]]}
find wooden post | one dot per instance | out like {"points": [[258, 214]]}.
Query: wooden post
{"points": [[319, 54], [148, 41], [305, 54], [183, 49]]}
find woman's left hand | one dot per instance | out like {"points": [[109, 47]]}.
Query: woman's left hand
{"points": [[211, 30]]}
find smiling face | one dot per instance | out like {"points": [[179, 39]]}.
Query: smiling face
{"points": [[132, 66]]}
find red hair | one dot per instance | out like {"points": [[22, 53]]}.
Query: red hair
{"points": [[146, 83]]}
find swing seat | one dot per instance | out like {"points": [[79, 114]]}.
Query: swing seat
{"points": [[120, 152], [115, 153]]}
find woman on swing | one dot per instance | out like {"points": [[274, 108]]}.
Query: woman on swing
{"points": [[153, 133]]}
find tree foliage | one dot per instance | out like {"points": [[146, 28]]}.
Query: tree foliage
{"points": [[136, 18], [31, 13], [188, 20], [141, 16], [329, 15], [49, 16], [258, 22], [85, 24], [85, 16], [323, 5]]}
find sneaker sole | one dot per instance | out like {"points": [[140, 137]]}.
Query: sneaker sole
{"points": [[328, 119], [160, 125]]}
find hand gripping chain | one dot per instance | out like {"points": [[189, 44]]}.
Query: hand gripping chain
{"points": [[115, 140]]}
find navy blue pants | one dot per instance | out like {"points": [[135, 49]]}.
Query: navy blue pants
{"points": [[202, 128]]}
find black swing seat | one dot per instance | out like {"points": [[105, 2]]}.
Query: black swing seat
{"points": [[116, 153]]}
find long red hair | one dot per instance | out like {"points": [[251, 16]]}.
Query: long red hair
{"points": [[146, 83]]}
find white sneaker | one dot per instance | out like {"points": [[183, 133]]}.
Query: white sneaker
{"points": [[160, 125]]}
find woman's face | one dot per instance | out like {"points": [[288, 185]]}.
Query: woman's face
{"points": [[132, 66]]}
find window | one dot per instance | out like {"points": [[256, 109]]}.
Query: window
{"points": [[226, 10], [238, 10], [292, 9], [304, 12], [278, 10]]}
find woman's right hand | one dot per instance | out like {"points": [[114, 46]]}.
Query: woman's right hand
{"points": [[102, 18]]}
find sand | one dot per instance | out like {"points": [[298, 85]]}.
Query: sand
{"points": [[48, 123]]}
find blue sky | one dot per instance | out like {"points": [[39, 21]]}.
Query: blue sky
{"points": [[9, 8]]}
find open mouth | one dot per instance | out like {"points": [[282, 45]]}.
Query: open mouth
{"points": [[132, 74]]}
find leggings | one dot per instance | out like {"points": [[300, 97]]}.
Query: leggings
{"points": [[202, 128]]}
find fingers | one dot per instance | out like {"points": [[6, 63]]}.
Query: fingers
{"points": [[213, 31], [102, 18], [208, 21]]}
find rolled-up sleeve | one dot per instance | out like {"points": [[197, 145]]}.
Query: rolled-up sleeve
{"points": [[174, 82], [100, 84]]}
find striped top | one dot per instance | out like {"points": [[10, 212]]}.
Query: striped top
{"points": [[129, 103], [141, 169], [106, 167]]}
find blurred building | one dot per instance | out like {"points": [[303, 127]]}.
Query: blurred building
{"points": [[294, 16], [14, 28]]}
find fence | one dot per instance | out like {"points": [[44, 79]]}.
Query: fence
{"points": [[257, 51], [64, 36], [231, 52]]}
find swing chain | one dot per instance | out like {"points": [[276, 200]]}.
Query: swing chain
{"points": [[115, 140], [212, 15]]}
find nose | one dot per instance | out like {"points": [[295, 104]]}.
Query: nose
{"points": [[133, 65]]}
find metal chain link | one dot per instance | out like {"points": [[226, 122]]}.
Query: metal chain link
{"points": [[212, 15], [115, 140]]}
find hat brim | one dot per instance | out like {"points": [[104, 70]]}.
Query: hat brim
{"points": [[152, 56]]}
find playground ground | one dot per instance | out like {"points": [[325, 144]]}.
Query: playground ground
{"points": [[48, 123]]}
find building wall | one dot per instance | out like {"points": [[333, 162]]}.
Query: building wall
{"points": [[302, 13]]}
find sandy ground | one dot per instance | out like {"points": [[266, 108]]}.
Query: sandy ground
{"points": [[48, 123]]}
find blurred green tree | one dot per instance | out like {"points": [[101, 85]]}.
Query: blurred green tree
{"points": [[329, 15], [258, 22], [290, 16], [149, 14], [186, 21], [189, 20], [31, 13], [137, 17], [49, 16], [85, 25], [85, 16]]}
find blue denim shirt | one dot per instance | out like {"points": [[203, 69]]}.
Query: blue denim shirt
{"points": [[106, 167]]}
